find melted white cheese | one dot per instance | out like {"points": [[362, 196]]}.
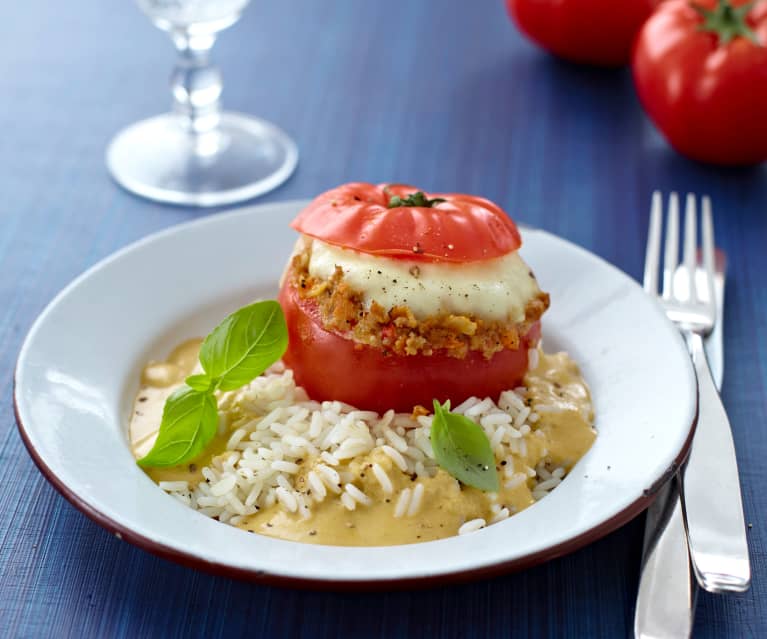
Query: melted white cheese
{"points": [[495, 289]]}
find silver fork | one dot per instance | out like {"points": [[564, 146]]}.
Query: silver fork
{"points": [[716, 531]]}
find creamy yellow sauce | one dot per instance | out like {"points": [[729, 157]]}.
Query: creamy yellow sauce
{"points": [[562, 435], [495, 289]]}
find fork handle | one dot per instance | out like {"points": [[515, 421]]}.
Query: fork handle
{"points": [[716, 531]]}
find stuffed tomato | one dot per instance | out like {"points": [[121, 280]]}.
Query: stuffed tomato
{"points": [[394, 298]]}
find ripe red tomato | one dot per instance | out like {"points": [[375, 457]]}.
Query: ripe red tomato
{"points": [[703, 78], [330, 366], [397, 220], [591, 31]]}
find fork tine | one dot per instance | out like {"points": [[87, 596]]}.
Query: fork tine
{"points": [[690, 244], [671, 256], [708, 248], [652, 255]]}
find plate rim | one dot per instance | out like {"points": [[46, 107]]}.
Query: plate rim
{"points": [[190, 559]]}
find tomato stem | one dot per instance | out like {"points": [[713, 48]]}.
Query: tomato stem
{"points": [[727, 22], [414, 199]]}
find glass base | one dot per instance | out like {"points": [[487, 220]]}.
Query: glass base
{"points": [[159, 159]]}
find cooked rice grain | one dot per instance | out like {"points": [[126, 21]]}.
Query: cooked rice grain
{"points": [[280, 438], [472, 526]]}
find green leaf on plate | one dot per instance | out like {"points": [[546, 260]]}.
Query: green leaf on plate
{"points": [[237, 351], [244, 345], [462, 449], [189, 422], [201, 383]]}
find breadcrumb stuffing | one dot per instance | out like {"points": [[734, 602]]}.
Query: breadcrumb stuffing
{"points": [[396, 330]]}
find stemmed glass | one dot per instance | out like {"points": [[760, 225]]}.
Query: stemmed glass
{"points": [[198, 154]]}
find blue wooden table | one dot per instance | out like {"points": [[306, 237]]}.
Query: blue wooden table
{"points": [[445, 95]]}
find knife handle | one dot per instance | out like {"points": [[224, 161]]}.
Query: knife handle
{"points": [[716, 531], [666, 599]]}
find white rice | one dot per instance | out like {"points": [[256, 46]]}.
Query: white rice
{"points": [[502, 514], [348, 501], [402, 503], [285, 467], [358, 495], [396, 457], [415, 501], [533, 358], [174, 486], [288, 451], [287, 499], [329, 458], [471, 526], [517, 479], [319, 491], [383, 479]]}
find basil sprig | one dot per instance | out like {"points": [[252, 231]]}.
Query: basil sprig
{"points": [[237, 351], [189, 422], [462, 449]]}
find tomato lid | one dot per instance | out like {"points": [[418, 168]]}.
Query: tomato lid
{"points": [[397, 220]]}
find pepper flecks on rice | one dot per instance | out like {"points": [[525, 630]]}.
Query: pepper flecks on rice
{"points": [[326, 473], [393, 300]]}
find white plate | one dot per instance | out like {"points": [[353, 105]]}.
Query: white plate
{"points": [[78, 372]]}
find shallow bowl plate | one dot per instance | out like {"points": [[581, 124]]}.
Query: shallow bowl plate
{"points": [[78, 373]]}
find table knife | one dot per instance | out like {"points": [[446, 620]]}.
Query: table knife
{"points": [[665, 605]]}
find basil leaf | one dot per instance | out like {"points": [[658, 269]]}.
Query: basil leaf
{"points": [[238, 350], [189, 422], [462, 449], [201, 383], [244, 345]]}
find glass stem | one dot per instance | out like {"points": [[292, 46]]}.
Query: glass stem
{"points": [[196, 84]]}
